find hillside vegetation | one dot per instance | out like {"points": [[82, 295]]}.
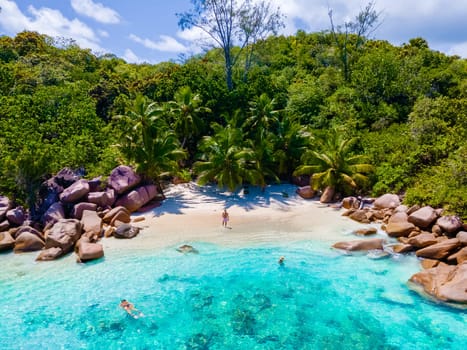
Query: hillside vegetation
{"points": [[396, 121]]}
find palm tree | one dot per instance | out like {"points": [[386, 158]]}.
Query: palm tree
{"points": [[29, 168], [147, 141], [290, 144], [159, 157], [263, 117], [264, 158], [334, 166], [138, 126], [227, 159], [260, 125], [186, 111]]}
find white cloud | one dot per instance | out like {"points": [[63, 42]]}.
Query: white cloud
{"points": [[165, 44], [103, 33], [131, 57], [96, 11], [440, 24], [196, 38], [192, 34], [47, 21], [459, 49], [11, 18]]}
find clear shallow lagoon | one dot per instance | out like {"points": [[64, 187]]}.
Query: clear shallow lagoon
{"points": [[222, 298]]}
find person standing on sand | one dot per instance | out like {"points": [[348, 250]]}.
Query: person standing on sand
{"points": [[225, 218]]}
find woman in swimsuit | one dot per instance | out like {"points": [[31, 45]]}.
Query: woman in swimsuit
{"points": [[225, 218]]}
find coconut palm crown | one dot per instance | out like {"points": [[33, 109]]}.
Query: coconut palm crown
{"points": [[227, 159], [335, 165], [146, 141]]}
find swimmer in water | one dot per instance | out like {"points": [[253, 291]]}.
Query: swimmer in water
{"points": [[130, 309]]}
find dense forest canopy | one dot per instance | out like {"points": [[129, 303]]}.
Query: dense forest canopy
{"points": [[394, 121]]}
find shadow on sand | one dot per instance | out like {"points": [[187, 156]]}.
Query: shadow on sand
{"points": [[190, 195]]}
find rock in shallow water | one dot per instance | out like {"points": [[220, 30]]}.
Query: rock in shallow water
{"points": [[446, 283], [50, 254], [89, 251], [366, 244], [187, 249], [377, 254]]}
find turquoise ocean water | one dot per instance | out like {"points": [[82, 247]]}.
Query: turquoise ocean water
{"points": [[222, 298]]}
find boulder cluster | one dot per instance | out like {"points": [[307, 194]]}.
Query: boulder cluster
{"points": [[74, 214], [439, 241]]}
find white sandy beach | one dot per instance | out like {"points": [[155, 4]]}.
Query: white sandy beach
{"points": [[193, 214]]}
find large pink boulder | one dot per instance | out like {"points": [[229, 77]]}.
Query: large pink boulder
{"points": [[328, 195], [65, 177], [123, 178], [350, 202], [6, 241], [366, 231], [306, 192], [360, 215], [103, 199], [138, 197], [88, 251], [422, 240], [111, 214], [120, 217], [462, 237], [112, 196], [75, 192], [16, 216], [358, 245], [5, 205], [28, 242], [459, 257], [399, 226], [91, 223], [444, 282], [449, 223], [95, 184], [423, 217], [80, 207], [63, 234], [387, 200], [454, 289], [4, 225], [50, 254], [402, 248], [439, 250], [402, 208], [28, 229], [53, 214]]}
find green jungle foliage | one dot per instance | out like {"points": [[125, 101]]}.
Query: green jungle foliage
{"points": [[396, 121]]}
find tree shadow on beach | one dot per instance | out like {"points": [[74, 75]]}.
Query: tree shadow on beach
{"points": [[191, 196]]}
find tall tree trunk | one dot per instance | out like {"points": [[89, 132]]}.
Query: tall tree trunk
{"points": [[228, 70]]}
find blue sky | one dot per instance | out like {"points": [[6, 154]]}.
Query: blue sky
{"points": [[147, 31]]}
